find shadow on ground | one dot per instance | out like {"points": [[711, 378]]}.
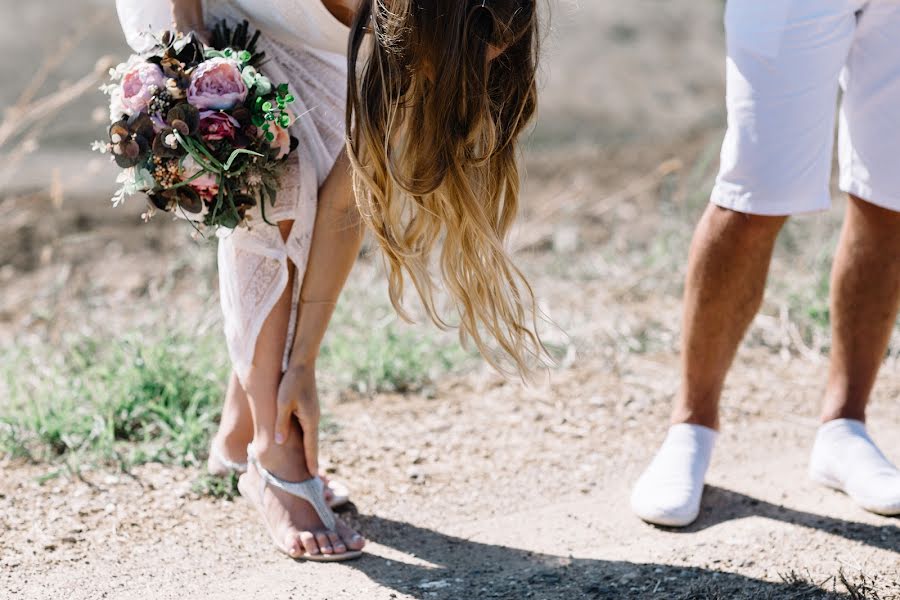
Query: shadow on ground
{"points": [[721, 505], [463, 569]]}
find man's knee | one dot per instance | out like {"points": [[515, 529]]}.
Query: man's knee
{"points": [[743, 228], [876, 217]]}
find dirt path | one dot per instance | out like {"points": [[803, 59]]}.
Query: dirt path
{"points": [[495, 491], [483, 488]]}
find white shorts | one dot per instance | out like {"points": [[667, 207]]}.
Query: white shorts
{"points": [[786, 61]]}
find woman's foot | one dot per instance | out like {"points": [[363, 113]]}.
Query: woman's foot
{"points": [[220, 462], [228, 450], [227, 458], [293, 523]]}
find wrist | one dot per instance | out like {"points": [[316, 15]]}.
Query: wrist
{"points": [[301, 366], [187, 17]]}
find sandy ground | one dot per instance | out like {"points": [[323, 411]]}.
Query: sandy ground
{"points": [[481, 488], [489, 491]]}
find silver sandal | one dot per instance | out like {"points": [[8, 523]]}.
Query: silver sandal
{"points": [[219, 465], [312, 491]]}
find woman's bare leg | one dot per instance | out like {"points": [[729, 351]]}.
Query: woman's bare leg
{"points": [[336, 240], [337, 237], [235, 429], [292, 521]]}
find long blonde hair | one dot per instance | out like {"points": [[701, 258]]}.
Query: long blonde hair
{"points": [[433, 125]]}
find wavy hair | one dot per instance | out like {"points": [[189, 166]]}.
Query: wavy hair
{"points": [[439, 92]]}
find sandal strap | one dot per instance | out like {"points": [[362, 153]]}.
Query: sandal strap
{"points": [[312, 490], [237, 467]]}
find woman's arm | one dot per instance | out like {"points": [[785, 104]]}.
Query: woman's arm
{"points": [[187, 15], [337, 236]]}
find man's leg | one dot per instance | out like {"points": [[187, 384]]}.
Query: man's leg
{"points": [[865, 296], [726, 278], [782, 78]]}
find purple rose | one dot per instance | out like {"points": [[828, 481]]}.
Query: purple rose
{"points": [[215, 126], [217, 85], [139, 84]]}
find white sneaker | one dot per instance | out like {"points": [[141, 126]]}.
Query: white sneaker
{"points": [[845, 458], [669, 491]]}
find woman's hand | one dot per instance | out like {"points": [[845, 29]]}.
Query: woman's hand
{"points": [[297, 396], [187, 16]]}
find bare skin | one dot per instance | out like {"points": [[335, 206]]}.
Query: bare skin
{"points": [[235, 428], [337, 236], [343, 10], [281, 410], [865, 297], [727, 271], [292, 522], [288, 448]]}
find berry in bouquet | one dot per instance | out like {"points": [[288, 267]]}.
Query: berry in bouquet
{"points": [[199, 129]]}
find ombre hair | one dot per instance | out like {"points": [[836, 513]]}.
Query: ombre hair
{"points": [[433, 125]]}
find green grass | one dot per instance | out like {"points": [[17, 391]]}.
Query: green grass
{"points": [[371, 355], [157, 397], [128, 400]]}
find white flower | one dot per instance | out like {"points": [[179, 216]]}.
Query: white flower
{"points": [[117, 106], [132, 180], [183, 213]]}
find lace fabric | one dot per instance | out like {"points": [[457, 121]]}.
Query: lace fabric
{"points": [[253, 263], [305, 47]]}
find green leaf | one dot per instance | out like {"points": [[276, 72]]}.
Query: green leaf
{"points": [[283, 89], [267, 106], [270, 136]]}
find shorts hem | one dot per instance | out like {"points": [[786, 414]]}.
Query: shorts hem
{"points": [[865, 192], [742, 202]]}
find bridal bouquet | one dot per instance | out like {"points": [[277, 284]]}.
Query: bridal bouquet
{"points": [[198, 128]]}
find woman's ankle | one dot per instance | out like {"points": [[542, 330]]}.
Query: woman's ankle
{"points": [[286, 461]]}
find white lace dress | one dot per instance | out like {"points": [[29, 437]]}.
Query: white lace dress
{"points": [[306, 47]]}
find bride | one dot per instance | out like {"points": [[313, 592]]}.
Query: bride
{"points": [[418, 146]]}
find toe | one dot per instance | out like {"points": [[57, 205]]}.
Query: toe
{"points": [[293, 546], [336, 543], [309, 543], [351, 539], [324, 543]]}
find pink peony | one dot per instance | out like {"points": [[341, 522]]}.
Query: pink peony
{"points": [[139, 84], [217, 85], [215, 126], [206, 185]]}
